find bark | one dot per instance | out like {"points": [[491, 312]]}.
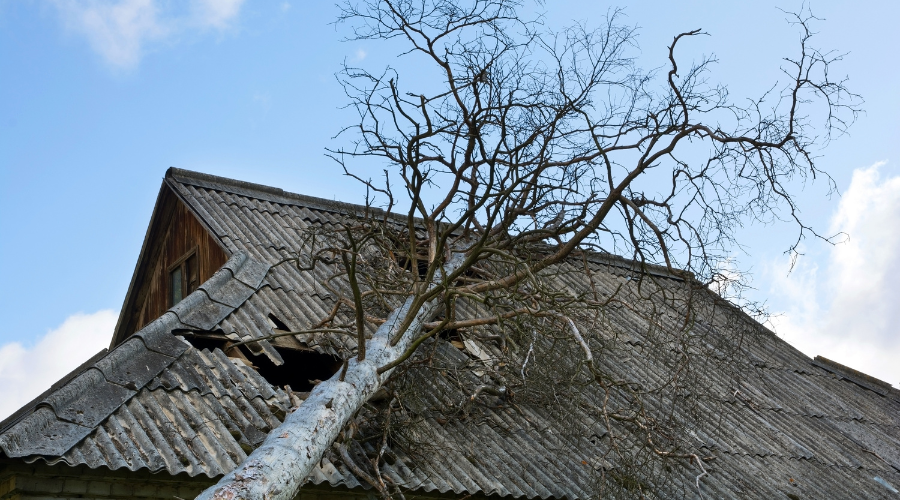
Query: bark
{"points": [[278, 468]]}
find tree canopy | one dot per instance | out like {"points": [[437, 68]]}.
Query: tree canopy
{"points": [[525, 153]]}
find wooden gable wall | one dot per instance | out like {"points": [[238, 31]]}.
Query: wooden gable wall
{"points": [[174, 232], [185, 234]]}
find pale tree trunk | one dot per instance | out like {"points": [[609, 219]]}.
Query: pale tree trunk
{"points": [[278, 468]]}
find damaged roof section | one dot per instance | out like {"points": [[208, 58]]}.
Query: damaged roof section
{"points": [[164, 401], [94, 391], [155, 402]]}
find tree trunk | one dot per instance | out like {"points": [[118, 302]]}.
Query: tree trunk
{"points": [[278, 468]]}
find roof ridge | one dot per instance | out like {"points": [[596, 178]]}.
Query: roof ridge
{"points": [[278, 195], [264, 192], [857, 377]]}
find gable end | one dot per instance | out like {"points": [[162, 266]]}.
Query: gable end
{"points": [[175, 233]]}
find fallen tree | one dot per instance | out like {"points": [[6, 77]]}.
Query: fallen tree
{"points": [[535, 149], [280, 465]]}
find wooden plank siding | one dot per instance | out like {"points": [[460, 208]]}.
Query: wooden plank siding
{"points": [[184, 234], [174, 231]]}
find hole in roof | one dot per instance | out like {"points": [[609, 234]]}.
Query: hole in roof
{"points": [[301, 369], [203, 339], [421, 264], [210, 343], [403, 253], [277, 323], [451, 335], [474, 274]]}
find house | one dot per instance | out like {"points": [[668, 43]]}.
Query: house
{"points": [[169, 408]]}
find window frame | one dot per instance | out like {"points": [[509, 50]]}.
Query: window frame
{"points": [[180, 263]]}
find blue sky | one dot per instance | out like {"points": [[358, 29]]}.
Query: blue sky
{"points": [[99, 97]]}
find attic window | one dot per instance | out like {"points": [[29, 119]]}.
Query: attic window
{"points": [[184, 277]]}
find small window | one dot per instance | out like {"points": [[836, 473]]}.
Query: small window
{"points": [[184, 278], [175, 278]]}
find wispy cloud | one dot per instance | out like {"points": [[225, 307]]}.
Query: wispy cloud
{"points": [[121, 30], [262, 100], [216, 13], [25, 372], [847, 309]]}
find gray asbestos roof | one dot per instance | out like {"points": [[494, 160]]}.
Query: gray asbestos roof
{"points": [[795, 426]]}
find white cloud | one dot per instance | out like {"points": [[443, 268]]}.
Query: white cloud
{"points": [[26, 372], [117, 31], [361, 54], [216, 13], [120, 30], [848, 310]]}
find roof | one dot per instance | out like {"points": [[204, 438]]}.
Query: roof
{"points": [[787, 425]]}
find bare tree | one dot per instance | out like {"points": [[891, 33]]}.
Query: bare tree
{"points": [[532, 154]]}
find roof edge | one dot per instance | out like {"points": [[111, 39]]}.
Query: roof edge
{"points": [[264, 192], [278, 195], [157, 336], [27, 408], [143, 256], [859, 378]]}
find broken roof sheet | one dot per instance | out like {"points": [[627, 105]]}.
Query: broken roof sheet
{"points": [[791, 427]]}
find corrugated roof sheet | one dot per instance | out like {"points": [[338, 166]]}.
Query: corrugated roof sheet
{"points": [[787, 426]]}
